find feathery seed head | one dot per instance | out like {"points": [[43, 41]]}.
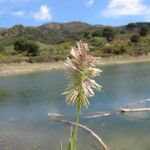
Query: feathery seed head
{"points": [[81, 68]]}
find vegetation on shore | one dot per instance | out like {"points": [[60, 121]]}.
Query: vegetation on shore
{"points": [[52, 41]]}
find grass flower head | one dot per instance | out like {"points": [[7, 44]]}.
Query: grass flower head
{"points": [[81, 69]]}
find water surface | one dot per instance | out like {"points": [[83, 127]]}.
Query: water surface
{"points": [[25, 101]]}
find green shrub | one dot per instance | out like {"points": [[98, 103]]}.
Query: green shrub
{"points": [[115, 49], [9, 51], [29, 46], [131, 26], [109, 33], [63, 46], [32, 48], [108, 49], [98, 41], [120, 50], [2, 48], [19, 45], [144, 31], [135, 38], [97, 32], [1, 56]]}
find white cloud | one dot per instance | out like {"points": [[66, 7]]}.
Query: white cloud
{"points": [[90, 2], [18, 13], [118, 8], [44, 14]]}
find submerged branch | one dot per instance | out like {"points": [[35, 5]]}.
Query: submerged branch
{"points": [[96, 115], [57, 117], [85, 128], [123, 110], [87, 116]]}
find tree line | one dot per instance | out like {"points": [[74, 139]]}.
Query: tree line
{"points": [[53, 40]]}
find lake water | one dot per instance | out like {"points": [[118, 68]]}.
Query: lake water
{"points": [[25, 101]]}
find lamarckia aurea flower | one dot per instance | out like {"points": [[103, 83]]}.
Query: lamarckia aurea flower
{"points": [[81, 69]]}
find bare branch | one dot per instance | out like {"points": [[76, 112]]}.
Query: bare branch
{"points": [[105, 147]]}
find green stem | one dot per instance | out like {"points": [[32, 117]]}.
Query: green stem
{"points": [[78, 111]]}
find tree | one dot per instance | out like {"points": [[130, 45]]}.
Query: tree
{"points": [[135, 38], [32, 48], [144, 31], [17, 29], [19, 45], [24, 45], [95, 32], [109, 33], [18, 26], [131, 26], [98, 41]]}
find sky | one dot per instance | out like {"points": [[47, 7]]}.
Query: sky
{"points": [[103, 12]]}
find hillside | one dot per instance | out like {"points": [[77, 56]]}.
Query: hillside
{"points": [[52, 40], [51, 33]]}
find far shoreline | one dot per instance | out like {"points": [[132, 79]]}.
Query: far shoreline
{"points": [[26, 68]]}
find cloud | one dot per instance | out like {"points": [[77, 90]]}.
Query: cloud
{"points": [[118, 8], [44, 14], [90, 2], [19, 13]]}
